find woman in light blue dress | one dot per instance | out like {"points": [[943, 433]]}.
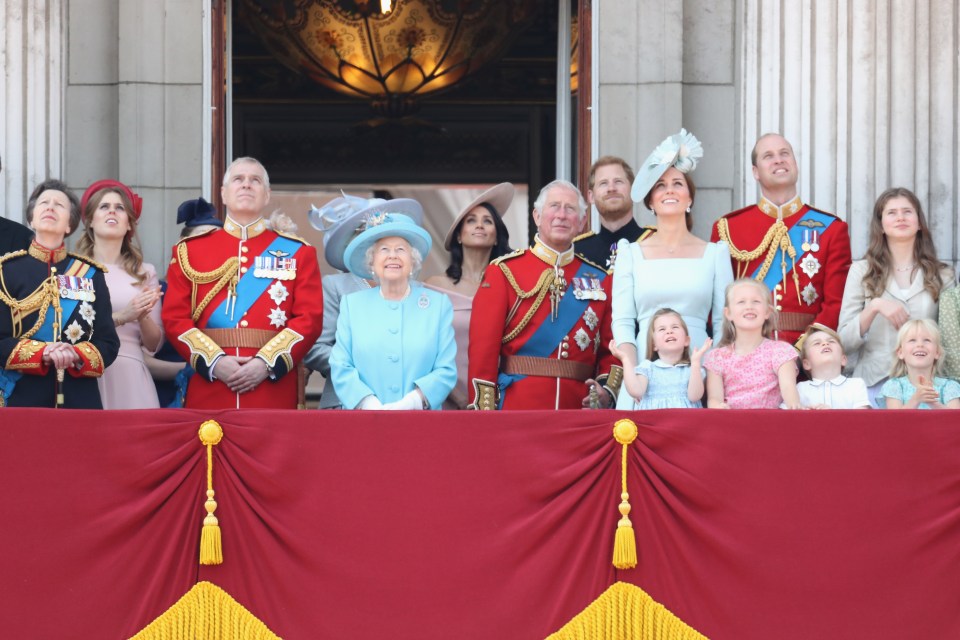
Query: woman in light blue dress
{"points": [[671, 268], [395, 347]]}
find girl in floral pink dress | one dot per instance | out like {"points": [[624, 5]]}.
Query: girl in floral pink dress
{"points": [[748, 370]]}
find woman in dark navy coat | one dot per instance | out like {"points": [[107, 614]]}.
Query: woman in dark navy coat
{"points": [[56, 331]]}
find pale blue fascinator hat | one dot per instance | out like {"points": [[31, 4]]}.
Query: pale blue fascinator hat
{"points": [[343, 218], [384, 225], [681, 150]]}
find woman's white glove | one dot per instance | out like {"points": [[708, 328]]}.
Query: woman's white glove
{"points": [[413, 401], [370, 402]]}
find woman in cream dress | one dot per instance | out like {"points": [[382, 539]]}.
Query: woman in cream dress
{"points": [[899, 279]]}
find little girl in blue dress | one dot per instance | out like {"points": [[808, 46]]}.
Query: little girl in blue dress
{"points": [[672, 378], [913, 383]]}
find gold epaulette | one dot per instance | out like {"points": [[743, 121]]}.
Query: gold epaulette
{"points": [[646, 233], [90, 261], [198, 235], [12, 254], [583, 236], [592, 264], [291, 236], [508, 256]]}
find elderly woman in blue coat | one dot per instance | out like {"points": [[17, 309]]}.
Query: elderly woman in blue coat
{"points": [[394, 347]]}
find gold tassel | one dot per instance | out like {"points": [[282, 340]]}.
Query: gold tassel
{"points": [[626, 612], [625, 542], [211, 549], [206, 611]]}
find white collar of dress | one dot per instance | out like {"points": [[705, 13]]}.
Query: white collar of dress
{"points": [[551, 256]]}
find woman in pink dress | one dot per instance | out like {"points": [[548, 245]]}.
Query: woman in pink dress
{"points": [[110, 212], [476, 237]]}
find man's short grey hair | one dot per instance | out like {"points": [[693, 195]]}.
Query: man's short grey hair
{"points": [[245, 159], [566, 184], [416, 259]]}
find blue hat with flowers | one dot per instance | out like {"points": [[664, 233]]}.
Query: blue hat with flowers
{"points": [[384, 225], [681, 150], [343, 218]]}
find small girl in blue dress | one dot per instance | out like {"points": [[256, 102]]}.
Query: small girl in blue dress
{"points": [[913, 383], [672, 378]]}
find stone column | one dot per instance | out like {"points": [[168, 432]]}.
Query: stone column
{"points": [[31, 99], [135, 106]]}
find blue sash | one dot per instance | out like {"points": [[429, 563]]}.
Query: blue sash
{"points": [[774, 276], [548, 335], [9, 379], [249, 288]]}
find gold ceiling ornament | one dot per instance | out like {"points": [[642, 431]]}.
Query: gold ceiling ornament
{"points": [[388, 53]]}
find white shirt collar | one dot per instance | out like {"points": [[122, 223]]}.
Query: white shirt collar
{"points": [[839, 380]]}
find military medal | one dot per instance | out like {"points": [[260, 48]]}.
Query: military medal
{"points": [[810, 294], [588, 288], [582, 338], [278, 293], [76, 288], [815, 245], [810, 265], [276, 266], [278, 317], [87, 313], [590, 317], [806, 240]]}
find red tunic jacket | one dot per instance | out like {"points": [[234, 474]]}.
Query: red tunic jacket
{"points": [[821, 268], [499, 312], [280, 323]]}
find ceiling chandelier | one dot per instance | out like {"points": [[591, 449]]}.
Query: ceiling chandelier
{"points": [[388, 53]]}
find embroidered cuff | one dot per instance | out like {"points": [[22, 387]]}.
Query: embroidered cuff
{"points": [[201, 347], [486, 396], [277, 352], [612, 381], [27, 357], [91, 362]]}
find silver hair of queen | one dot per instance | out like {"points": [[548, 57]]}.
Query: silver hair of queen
{"points": [[415, 258]]}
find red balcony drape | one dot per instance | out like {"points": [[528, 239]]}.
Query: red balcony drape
{"points": [[750, 524]]}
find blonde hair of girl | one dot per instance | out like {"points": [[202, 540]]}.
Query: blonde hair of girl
{"points": [[914, 326], [659, 313], [729, 332]]}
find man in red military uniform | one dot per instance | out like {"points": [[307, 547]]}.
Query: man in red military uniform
{"points": [[243, 303], [540, 328], [800, 253]]}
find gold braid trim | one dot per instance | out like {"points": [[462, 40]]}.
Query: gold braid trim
{"points": [[41, 298], [541, 289], [770, 243], [225, 274]]}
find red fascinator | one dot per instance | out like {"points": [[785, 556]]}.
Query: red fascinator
{"points": [[135, 200]]}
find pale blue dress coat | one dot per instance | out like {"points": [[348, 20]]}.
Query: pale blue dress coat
{"points": [[693, 287], [386, 347]]}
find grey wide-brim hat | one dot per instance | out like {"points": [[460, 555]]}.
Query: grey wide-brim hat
{"points": [[681, 150], [386, 225], [343, 218], [498, 196]]}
